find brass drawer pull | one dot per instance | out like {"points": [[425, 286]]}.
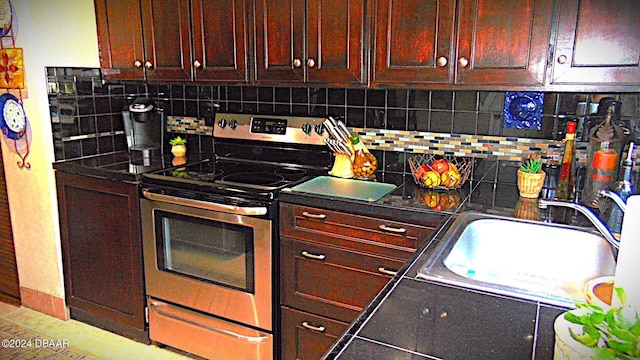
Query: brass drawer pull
{"points": [[314, 328], [382, 270], [392, 229], [313, 256], [313, 216]]}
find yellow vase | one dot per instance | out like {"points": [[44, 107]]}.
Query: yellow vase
{"points": [[530, 184], [178, 150]]}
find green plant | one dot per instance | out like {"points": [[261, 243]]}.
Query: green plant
{"points": [[177, 141], [614, 334], [532, 166]]}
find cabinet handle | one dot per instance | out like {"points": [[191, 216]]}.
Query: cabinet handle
{"points": [[197, 64], [311, 63], [463, 62], [313, 216], [314, 328], [313, 256], [562, 59], [442, 61], [137, 64], [297, 63], [392, 229], [382, 270], [148, 65]]}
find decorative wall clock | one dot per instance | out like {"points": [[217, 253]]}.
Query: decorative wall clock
{"points": [[13, 124]]}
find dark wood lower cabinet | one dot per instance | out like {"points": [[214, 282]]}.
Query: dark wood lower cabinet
{"points": [[332, 265], [102, 253], [309, 336]]}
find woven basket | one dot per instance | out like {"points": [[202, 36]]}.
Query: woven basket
{"points": [[462, 163]]}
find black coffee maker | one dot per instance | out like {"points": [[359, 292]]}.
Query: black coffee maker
{"points": [[143, 121]]}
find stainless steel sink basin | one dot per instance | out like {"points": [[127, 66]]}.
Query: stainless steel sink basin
{"points": [[532, 260]]}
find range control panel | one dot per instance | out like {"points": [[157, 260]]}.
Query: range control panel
{"points": [[286, 129]]}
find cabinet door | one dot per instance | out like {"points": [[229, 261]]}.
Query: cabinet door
{"points": [[280, 54], [167, 39], [597, 43], [335, 41], [454, 323], [503, 42], [413, 41], [220, 37], [102, 249], [120, 39], [307, 336]]}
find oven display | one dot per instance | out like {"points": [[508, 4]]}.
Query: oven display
{"points": [[268, 126]]}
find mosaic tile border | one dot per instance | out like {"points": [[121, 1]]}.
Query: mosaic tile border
{"points": [[480, 146], [188, 125]]}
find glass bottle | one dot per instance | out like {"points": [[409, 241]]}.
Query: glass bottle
{"points": [[605, 147], [566, 181], [364, 163]]}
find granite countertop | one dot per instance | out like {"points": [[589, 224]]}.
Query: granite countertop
{"points": [[395, 326], [118, 166]]}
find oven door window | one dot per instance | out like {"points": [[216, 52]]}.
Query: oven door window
{"points": [[206, 250]]}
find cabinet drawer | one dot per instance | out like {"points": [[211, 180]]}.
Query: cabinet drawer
{"points": [[366, 234], [307, 336], [329, 281]]}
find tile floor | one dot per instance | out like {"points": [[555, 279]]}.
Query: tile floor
{"points": [[105, 345]]}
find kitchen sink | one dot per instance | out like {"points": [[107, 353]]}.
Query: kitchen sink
{"points": [[532, 260]]}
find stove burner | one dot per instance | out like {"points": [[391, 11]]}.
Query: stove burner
{"points": [[248, 178], [289, 172], [204, 176], [225, 163]]}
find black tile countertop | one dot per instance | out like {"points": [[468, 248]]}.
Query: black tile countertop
{"points": [[118, 166], [402, 321]]}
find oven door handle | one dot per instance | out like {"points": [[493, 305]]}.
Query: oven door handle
{"points": [[237, 210], [251, 339]]}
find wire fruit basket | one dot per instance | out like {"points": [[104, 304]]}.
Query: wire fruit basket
{"points": [[440, 171]]}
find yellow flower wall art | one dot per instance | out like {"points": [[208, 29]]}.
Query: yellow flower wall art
{"points": [[11, 68]]}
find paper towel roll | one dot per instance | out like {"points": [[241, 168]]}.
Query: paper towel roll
{"points": [[627, 273]]}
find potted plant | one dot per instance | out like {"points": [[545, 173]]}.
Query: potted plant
{"points": [[178, 146], [530, 178], [590, 332]]}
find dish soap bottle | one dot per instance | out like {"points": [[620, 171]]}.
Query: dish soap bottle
{"points": [[364, 163], [624, 188], [566, 181]]}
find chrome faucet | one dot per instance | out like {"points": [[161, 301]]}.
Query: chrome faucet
{"points": [[616, 198], [593, 217]]}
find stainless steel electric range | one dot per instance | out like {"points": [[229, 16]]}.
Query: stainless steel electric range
{"points": [[210, 235]]}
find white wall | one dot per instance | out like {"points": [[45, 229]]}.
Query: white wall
{"points": [[51, 33]]}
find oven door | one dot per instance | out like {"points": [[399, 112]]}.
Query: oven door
{"points": [[216, 262]]}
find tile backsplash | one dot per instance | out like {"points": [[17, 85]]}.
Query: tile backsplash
{"points": [[86, 116]]}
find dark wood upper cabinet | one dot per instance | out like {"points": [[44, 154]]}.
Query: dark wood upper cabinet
{"points": [[597, 43], [502, 42], [411, 39], [416, 43], [178, 40], [220, 40], [120, 39], [310, 41], [166, 32]]}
